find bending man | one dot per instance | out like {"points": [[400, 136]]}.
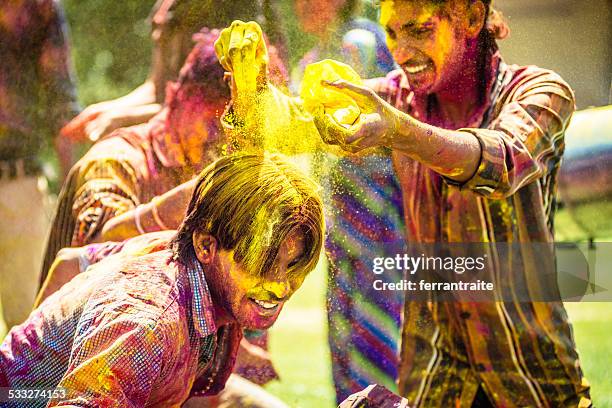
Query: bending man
{"points": [[154, 329]]}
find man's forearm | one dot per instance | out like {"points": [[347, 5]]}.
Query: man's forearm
{"points": [[453, 154], [142, 95], [164, 212]]}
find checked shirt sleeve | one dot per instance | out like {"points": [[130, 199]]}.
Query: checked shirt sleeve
{"points": [[525, 141], [114, 362]]}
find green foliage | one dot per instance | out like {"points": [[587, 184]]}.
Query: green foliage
{"points": [[298, 42], [111, 46]]}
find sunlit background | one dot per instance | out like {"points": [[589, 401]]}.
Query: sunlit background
{"points": [[111, 50]]}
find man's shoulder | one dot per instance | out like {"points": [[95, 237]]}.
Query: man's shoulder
{"points": [[535, 89], [152, 265], [526, 78], [148, 284], [123, 151], [118, 142], [130, 145]]}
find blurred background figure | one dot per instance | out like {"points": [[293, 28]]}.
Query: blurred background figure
{"points": [[364, 215], [135, 164], [173, 22], [341, 33], [37, 98]]}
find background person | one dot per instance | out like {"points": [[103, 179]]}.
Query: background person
{"points": [[365, 203], [37, 98], [136, 164]]}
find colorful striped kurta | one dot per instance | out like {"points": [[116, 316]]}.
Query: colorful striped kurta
{"points": [[364, 221]]}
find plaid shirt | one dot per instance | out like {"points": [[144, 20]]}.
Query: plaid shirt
{"points": [[521, 354], [37, 95], [131, 331]]}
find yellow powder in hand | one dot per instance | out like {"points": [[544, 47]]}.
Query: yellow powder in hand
{"points": [[342, 107], [345, 116]]}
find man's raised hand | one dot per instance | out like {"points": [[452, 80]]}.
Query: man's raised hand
{"points": [[241, 50]]}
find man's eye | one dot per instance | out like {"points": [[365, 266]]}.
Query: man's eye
{"points": [[293, 263], [421, 32], [390, 33]]}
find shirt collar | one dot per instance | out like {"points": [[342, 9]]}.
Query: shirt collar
{"points": [[202, 307]]}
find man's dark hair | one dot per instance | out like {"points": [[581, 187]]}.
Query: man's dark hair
{"points": [[201, 74], [250, 204]]}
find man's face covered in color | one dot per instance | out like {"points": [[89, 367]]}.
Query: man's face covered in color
{"points": [[255, 300], [427, 39], [192, 122]]}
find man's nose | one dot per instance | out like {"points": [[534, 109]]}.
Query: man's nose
{"points": [[403, 51], [280, 289]]}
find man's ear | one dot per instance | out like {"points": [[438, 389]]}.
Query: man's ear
{"points": [[476, 18], [205, 247]]}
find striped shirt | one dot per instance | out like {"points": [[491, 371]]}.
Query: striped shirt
{"points": [[131, 331], [129, 167], [519, 353]]}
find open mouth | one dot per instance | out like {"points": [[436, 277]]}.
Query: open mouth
{"points": [[265, 307], [413, 68]]}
